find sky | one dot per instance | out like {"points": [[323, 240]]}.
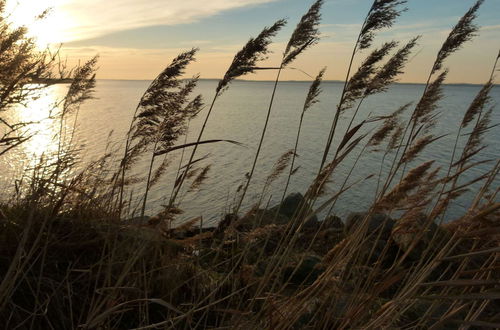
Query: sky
{"points": [[137, 39]]}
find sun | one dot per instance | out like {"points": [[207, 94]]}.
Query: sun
{"points": [[52, 29]]}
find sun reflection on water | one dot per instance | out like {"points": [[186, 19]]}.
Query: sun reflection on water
{"points": [[41, 114]]}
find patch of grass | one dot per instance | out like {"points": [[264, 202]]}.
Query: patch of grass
{"points": [[71, 256]]}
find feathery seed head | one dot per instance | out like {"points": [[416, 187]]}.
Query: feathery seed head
{"points": [[305, 34], [280, 165], [480, 101], [360, 80], [82, 86], [396, 136], [400, 192], [463, 31], [390, 124], [474, 143], [157, 175], [428, 102], [165, 108], [256, 49], [168, 78], [382, 14], [389, 72], [314, 91], [200, 178], [415, 149]]}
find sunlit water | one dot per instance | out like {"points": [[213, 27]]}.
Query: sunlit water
{"points": [[239, 115]]}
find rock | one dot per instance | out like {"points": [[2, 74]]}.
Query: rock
{"points": [[262, 241], [416, 234], [291, 203], [185, 233], [304, 273], [137, 221], [260, 218], [146, 234], [290, 206], [324, 240], [228, 220], [332, 222], [377, 222]]}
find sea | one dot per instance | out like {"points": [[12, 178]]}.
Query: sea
{"points": [[239, 114]]}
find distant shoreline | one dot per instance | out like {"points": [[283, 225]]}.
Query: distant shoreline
{"points": [[301, 81], [52, 81]]}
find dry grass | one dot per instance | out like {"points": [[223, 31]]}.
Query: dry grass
{"points": [[70, 259]]}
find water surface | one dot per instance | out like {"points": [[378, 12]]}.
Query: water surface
{"points": [[239, 115]]}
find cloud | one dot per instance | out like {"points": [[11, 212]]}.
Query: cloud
{"points": [[93, 18], [490, 27]]}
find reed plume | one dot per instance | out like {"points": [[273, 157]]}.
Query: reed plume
{"points": [[423, 114], [369, 80], [305, 35], [462, 32], [359, 82], [389, 72], [158, 173], [25, 73], [200, 178], [480, 101], [417, 147], [167, 120], [280, 166], [82, 86], [382, 14], [156, 99], [475, 109], [390, 124], [80, 90], [162, 114], [311, 99], [429, 101], [397, 135], [256, 49], [474, 142], [314, 92], [400, 192]]}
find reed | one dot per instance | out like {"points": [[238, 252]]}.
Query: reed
{"points": [[305, 35], [244, 62], [70, 258]]}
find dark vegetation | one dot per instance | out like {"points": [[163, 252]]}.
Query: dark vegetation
{"points": [[71, 257]]}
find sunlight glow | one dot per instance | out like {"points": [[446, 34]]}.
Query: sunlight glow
{"points": [[42, 128], [53, 29]]}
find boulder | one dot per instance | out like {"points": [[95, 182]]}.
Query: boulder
{"points": [[332, 222], [290, 206], [321, 242], [260, 218], [137, 221], [305, 272], [375, 223], [229, 219], [415, 235]]}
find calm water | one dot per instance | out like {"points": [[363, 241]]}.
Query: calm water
{"points": [[239, 115]]}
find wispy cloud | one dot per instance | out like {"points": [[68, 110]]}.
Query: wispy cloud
{"points": [[490, 27], [93, 18]]}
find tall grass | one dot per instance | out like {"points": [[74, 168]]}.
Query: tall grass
{"points": [[71, 258]]}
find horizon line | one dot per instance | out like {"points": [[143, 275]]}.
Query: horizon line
{"points": [[300, 81]]}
